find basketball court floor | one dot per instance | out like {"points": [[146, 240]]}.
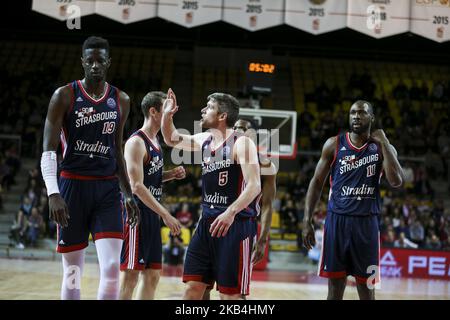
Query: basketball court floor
{"points": [[22, 279]]}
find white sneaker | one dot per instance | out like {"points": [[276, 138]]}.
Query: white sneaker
{"points": [[20, 246]]}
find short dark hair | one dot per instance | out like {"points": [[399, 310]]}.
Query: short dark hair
{"points": [[94, 42], [251, 122], [227, 103], [363, 102], [153, 99]]}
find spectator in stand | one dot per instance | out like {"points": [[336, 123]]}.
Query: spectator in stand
{"points": [[414, 91], [35, 224], [422, 185], [400, 91], [433, 242], [445, 245], [433, 164], [437, 92], [26, 206], [174, 251], [402, 228], [403, 242], [185, 217], [389, 239], [289, 215], [417, 232], [408, 178], [18, 229]]}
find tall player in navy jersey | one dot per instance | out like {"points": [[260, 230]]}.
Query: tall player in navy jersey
{"points": [[142, 247], [220, 249], [87, 117], [357, 160]]}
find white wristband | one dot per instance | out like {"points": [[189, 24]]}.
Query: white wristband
{"points": [[49, 168]]}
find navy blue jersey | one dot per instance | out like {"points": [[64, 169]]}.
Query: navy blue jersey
{"points": [[222, 179], [355, 178], [153, 167], [88, 133]]}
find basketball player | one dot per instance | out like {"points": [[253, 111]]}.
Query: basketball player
{"points": [[142, 248], [88, 117], [357, 160], [268, 187], [268, 192], [220, 248]]}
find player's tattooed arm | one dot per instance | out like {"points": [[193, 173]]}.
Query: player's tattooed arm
{"points": [[391, 166], [177, 173], [172, 137], [57, 110], [130, 203], [315, 190]]}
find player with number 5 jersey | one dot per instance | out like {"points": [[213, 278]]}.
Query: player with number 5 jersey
{"points": [[220, 249]]}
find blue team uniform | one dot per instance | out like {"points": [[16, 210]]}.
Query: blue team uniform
{"points": [[88, 181], [142, 247], [225, 260], [351, 234]]}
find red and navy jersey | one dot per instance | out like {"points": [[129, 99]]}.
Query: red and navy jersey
{"points": [[153, 167], [222, 179], [355, 178], [88, 133]]}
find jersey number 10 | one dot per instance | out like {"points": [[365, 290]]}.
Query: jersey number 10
{"points": [[371, 170]]}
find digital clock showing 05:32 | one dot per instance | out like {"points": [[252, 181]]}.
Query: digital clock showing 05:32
{"points": [[261, 67]]}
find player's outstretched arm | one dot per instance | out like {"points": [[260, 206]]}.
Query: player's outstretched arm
{"points": [[130, 203], [315, 190], [134, 156], [269, 190], [246, 155], [57, 109], [171, 135], [391, 166]]}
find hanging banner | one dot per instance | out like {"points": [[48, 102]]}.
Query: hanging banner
{"points": [[254, 14], [430, 19], [379, 18], [126, 11], [316, 16], [64, 9], [190, 13]]}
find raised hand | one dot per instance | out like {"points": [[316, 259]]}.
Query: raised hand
{"points": [[58, 210], [379, 136], [170, 104]]}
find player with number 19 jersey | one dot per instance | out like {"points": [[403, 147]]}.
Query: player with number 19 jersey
{"points": [[89, 166]]}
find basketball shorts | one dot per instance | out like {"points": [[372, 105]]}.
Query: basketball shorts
{"points": [[142, 246], [94, 208], [351, 247], [225, 260]]}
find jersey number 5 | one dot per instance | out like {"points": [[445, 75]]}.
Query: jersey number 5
{"points": [[223, 178]]}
